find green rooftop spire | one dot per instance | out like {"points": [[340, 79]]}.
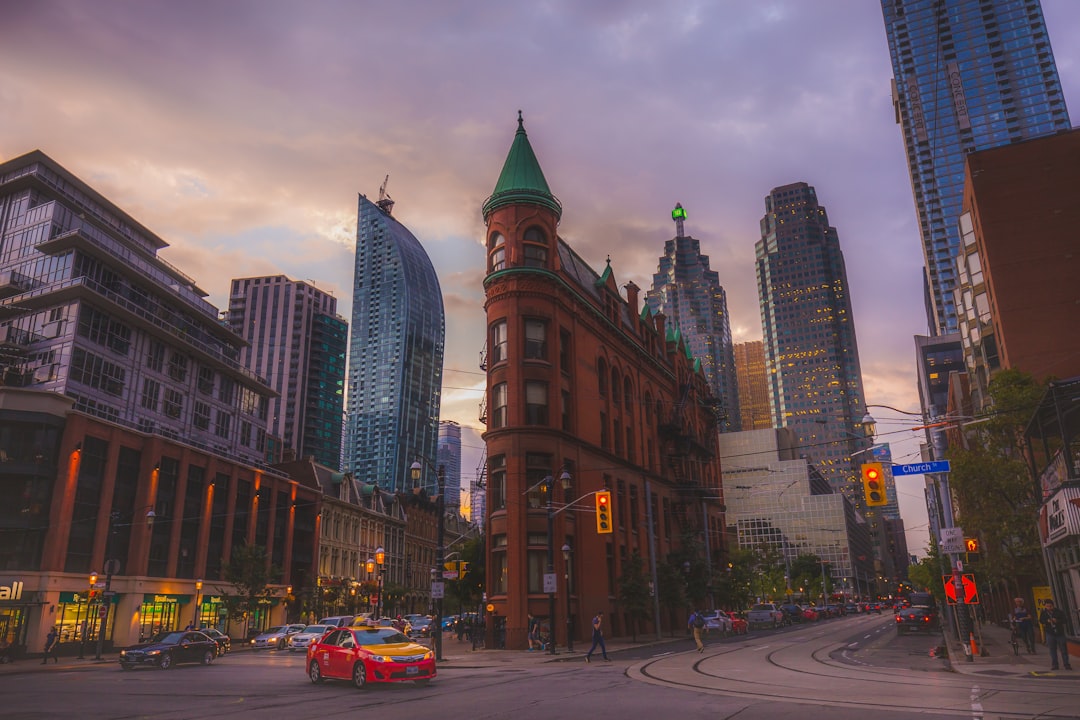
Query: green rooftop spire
{"points": [[522, 180]]}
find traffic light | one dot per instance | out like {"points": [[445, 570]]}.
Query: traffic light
{"points": [[873, 480], [603, 511], [971, 546]]}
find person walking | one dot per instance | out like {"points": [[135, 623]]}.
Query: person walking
{"points": [[1025, 626], [534, 634], [1054, 621], [696, 623], [50, 647], [598, 636]]}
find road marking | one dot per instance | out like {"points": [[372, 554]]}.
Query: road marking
{"points": [[976, 706], [865, 637]]}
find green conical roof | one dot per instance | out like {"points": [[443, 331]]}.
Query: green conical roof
{"points": [[522, 180]]}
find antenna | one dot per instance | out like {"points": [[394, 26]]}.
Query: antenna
{"points": [[385, 202]]}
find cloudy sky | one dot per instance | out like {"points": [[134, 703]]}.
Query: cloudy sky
{"points": [[241, 133]]}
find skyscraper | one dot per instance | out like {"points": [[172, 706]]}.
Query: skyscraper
{"points": [[967, 75], [753, 385], [297, 342], [395, 353], [812, 361], [449, 457], [689, 293]]}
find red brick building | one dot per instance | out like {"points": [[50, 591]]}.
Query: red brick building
{"points": [[583, 384]]}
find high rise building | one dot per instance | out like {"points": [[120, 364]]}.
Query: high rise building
{"points": [[967, 75], [449, 458], [297, 342], [395, 354], [812, 360], [689, 293], [753, 385]]}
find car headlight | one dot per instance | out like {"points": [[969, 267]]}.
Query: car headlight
{"points": [[428, 655], [153, 652], [123, 653]]}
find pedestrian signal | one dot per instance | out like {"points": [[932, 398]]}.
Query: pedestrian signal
{"points": [[971, 545], [603, 511], [873, 478]]}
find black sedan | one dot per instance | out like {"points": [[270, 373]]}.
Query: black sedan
{"points": [[224, 644], [170, 648], [914, 619]]}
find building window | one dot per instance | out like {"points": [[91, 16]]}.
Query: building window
{"points": [[201, 418], [604, 431], [617, 432], [227, 390], [566, 356], [178, 367], [206, 380], [498, 252], [536, 339], [601, 376], [633, 509], [174, 403], [615, 398], [535, 256], [566, 414], [537, 468], [648, 410], [245, 433], [628, 393], [536, 402], [151, 392], [537, 560], [96, 372], [221, 427], [498, 405], [155, 356], [497, 481], [498, 571], [498, 342]]}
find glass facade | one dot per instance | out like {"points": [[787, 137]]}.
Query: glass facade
{"points": [[395, 354], [689, 293], [812, 360], [967, 75], [449, 457]]}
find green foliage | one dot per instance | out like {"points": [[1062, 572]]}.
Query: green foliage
{"points": [[925, 575], [634, 591], [249, 573], [672, 587]]}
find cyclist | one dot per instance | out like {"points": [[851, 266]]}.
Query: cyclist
{"points": [[1022, 622]]}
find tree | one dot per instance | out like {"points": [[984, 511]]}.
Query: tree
{"points": [[249, 573], [672, 596], [634, 591]]}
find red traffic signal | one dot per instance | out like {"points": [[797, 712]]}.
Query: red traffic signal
{"points": [[873, 478], [603, 512]]}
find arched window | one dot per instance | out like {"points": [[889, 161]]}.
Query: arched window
{"points": [[628, 393], [535, 248], [497, 253], [648, 409], [601, 376], [616, 386]]}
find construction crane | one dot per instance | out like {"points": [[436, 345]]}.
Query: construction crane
{"points": [[385, 202]]}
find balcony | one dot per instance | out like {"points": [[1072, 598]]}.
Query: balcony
{"points": [[14, 283]]}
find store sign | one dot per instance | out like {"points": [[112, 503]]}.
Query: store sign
{"points": [[1054, 475], [14, 591], [182, 599], [1062, 515]]}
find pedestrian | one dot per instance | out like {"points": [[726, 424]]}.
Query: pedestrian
{"points": [[1025, 626], [534, 634], [50, 647], [696, 623], [598, 636], [190, 626], [1054, 621]]}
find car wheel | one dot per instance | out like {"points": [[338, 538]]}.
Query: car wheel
{"points": [[359, 676], [208, 657], [165, 661], [314, 672], [281, 644]]}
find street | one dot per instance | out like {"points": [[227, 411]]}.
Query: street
{"points": [[841, 669]]}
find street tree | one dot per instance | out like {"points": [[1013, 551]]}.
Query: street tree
{"points": [[634, 591], [249, 575]]}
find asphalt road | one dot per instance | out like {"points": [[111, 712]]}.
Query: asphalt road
{"points": [[842, 669]]}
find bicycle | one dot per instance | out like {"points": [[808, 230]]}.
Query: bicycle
{"points": [[1014, 637]]}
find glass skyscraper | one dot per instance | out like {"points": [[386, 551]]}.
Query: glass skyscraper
{"points": [[450, 459], [812, 360], [689, 293], [967, 75], [395, 354]]}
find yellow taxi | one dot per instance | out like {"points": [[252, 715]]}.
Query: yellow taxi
{"points": [[369, 654]]}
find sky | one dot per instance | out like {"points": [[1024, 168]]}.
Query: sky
{"points": [[241, 133]]}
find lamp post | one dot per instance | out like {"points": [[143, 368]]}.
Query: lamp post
{"points": [[569, 618], [112, 566], [198, 615], [440, 550], [86, 621], [380, 560], [548, 483]]}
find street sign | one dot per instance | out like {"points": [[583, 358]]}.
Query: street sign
{"points": [[967, 584], [551, 582], [952, 540], [108, 593], [112, 567], [98, 585], [438, 590], [449, 574], [103, 611], [937, 466]]}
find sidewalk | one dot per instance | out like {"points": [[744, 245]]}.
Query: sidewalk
{"points": [[994, 657]]}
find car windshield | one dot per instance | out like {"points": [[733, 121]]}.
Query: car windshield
{"points": [[169, 638], [320, 629], [762, 607], [275, 630], [380, 636]]}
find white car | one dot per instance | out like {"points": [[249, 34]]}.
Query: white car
{"points": [[300, 641], [719, 622], [276, 638]]}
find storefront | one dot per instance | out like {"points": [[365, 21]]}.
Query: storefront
{"points": [[79, 619], [1059, 528], [160, 613], [17, 607]]}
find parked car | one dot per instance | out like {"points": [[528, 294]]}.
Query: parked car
{"points": [[369, 654], [793, 613], [308, 635], [739, 626], [224, 644], [422, 627], [340, 620], [276, 638], [810, 614], [851, 609], [169, 648], [914, 619], [718, 622], [765, 615]]}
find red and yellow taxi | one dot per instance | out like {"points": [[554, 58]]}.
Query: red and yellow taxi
{"points": [[369, 654]]}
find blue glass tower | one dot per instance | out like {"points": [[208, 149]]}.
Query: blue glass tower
{"points": [[689, 293], [967, 75], [395, 353]]}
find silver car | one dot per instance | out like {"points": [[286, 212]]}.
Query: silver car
{"points": [[311, 633], [276, 638]]}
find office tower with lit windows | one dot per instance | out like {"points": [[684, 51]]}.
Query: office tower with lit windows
{"points": [[449, 458], [395, 354], [753, 385], [689, 293], [297, 342], [811, 357], [967, 75]]}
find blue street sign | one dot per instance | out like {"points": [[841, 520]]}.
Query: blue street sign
{"points": [[938, 466]]}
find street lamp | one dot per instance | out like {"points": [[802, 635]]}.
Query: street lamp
{"points": [[548, 483], [569, 618], [380, 560], [440, 550], [198, 592], [112, 567]]}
